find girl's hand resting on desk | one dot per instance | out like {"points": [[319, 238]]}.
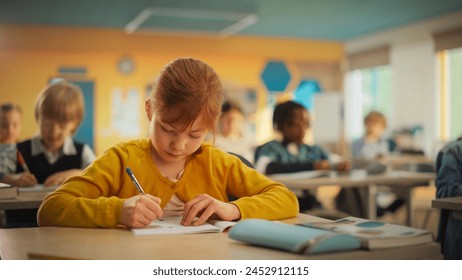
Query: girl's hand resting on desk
{"points": [[139, 211], [204, 207]]}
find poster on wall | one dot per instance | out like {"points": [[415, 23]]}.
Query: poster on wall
{"points": [[125, 118]]}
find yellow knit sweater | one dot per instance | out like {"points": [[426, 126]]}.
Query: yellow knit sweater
{"points": [[95, 198]]}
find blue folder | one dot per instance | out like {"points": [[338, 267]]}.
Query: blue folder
{"points": [[296, 239]]}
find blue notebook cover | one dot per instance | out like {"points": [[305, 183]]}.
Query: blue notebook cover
{"points": [[296, 239]]}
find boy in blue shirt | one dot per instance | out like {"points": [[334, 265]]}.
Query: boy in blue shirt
{"points": [[292, 154]]}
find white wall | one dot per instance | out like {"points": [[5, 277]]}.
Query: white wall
{"points": [[413, 62]]}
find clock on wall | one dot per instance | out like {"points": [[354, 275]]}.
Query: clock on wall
{"points": [[126, 65]]}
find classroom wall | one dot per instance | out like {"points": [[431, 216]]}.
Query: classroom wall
{"points": [[414, 69], [31, 55]]}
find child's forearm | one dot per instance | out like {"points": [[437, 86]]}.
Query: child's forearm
{"points": [[21, 180], [8, 178]]}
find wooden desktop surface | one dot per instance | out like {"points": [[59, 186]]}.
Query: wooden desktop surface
{"points": [[121, 244], [454, 204], [399, 160], [359, 178], [24, 200], [450, 203]]}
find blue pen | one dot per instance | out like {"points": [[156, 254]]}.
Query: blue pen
{"points": [[135, 182]]}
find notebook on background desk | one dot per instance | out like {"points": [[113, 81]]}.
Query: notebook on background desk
{"points": [[38, 188], [370, 166], [303, 175], [8, 191]]}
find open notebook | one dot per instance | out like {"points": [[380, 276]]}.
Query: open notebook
{"points": [[172, 225]]}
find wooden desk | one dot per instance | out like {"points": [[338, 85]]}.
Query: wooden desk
{"points": [[400, 181], [110, 244], [28, 198], [400, 160], [450, 203], [24, 200]]}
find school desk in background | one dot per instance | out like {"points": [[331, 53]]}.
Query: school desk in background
{"points": [[27, 197], [403, 181]]}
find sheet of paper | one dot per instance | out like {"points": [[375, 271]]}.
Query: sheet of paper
{"points": [[3, 185], [172, 225]]}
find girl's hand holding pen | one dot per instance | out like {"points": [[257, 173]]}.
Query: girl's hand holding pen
{"points": [[139, 211]]}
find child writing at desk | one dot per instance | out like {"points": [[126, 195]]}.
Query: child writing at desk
{"points": [[10, 128], [231, 137], [10, 122], [179, 172], [291, 154], [52, 156], [370, 148], [372, 145]]}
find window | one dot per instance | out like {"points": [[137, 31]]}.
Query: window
{"points": [[450, 94], [366, 89]]}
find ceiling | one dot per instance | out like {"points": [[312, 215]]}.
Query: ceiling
{"points": [[338, 20]]}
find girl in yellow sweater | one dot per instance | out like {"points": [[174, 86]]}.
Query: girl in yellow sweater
{"points": [[180, 174]]}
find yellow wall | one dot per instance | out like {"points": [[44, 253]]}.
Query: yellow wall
{"points": [[30, 56]]}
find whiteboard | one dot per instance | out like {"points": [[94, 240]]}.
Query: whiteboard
{"points": [[327, 118]]}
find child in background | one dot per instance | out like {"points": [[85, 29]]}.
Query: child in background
{"points": [[52, 156], [230, 137], [10, 122], [179, 172], [10, 128], [291, 119], [449, 184], [372, 145]]}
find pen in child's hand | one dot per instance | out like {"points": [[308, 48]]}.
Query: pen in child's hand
{"points": [[136, 183], [133, 178], [21, 161]]}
